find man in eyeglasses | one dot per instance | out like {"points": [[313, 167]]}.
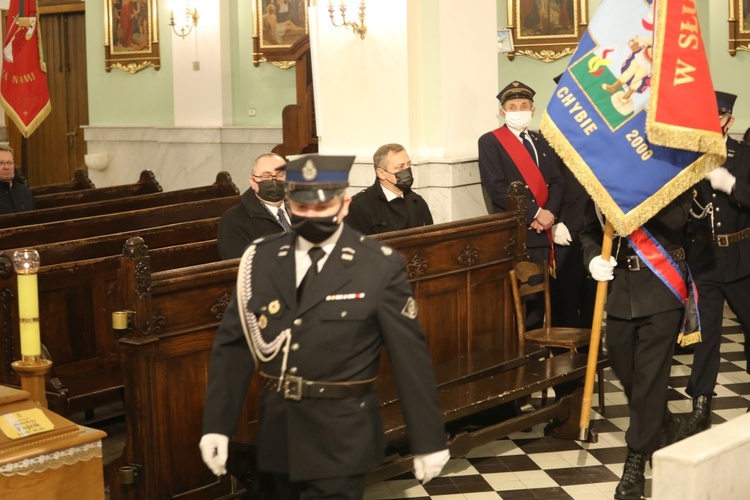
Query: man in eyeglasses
{"points": [[14, 196], [389, 204], [262, 212]]}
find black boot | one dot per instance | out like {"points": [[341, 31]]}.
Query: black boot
{"points": [[633, 481], [700, 419], [672, 428]]}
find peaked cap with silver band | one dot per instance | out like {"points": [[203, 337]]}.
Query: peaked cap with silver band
{"points": [[317, 178]]}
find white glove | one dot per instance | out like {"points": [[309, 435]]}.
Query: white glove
{"points": [[601, 270], [214, 450], [721, 180], [561, 235], [429, 465]]}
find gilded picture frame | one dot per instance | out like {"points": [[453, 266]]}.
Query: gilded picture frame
{"points": [[280, 31], [546, 30], [131, 35], [739, 26]]}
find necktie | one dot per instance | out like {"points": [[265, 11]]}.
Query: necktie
{"points": [[529, 147], [284, 223], [315, 253]]}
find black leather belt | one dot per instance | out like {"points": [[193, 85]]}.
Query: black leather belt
{"points": [[296, 388], [634, 263], [724, 240]]}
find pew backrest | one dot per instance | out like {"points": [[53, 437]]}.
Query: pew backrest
{"points": [[147, 183], [86, 227], [222, 187], [80, 181]]}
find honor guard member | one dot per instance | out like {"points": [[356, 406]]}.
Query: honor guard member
{"points": [[513, 153], [643, 323], [312, 312], [719, 258], [262, 210], [389, 204]]}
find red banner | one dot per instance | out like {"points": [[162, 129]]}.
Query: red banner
{"points": [[23, 87], [681, 75]]}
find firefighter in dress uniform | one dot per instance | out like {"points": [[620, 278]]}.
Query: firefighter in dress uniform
{"points": [[719, 258], [313, 310]]}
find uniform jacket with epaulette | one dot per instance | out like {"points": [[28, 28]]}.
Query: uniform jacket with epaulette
{"points": [[731, 214], [497, 170], [335, 337]]}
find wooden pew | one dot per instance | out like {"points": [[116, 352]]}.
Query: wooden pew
{"points": [[460, 276], [80, 181], [76, 301], [222, 187], [87, 227], [146, 184]]}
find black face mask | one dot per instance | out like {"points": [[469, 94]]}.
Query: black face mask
{"points": [[404, 179], [272, 190], [315, 229]]}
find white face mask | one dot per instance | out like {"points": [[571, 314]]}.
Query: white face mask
{"points": [[518, 120]]}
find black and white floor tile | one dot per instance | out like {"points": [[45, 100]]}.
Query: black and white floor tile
{"points": [[527, 465]]}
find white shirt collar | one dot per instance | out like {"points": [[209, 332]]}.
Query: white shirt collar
{"points": [[389, 195]]}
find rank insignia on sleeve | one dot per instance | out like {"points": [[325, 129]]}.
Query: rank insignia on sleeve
{"points": [[262, 321], [410, 308], [274, 307]]}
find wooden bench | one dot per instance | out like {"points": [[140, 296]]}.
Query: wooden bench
{"points": [[87, 227], [459, 272], [80, 181], [146, 184], [221, 188], [76, 301]]}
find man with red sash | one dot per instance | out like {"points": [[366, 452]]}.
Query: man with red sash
{"points": [[647, 296], [513, 153]]}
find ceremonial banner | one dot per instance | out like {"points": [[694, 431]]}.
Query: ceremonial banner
{"points": [[23, 87], [634, 115]]}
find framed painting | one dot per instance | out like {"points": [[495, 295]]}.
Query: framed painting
{"points": [[131, 35], [546, 30], [739, 25], [280, 31]]}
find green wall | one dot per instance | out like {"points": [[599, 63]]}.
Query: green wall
{"points": [[145, 98], [730, 74], [117, 98]]}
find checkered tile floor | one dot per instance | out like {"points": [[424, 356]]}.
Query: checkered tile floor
{"points": [[527, 465]]}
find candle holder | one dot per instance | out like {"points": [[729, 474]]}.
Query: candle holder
{"points": [[31, 368]]}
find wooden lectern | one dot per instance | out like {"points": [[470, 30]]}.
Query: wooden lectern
{"points": [[43, 455]]}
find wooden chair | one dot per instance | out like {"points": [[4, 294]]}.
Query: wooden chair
{"points": [[526, 279]]}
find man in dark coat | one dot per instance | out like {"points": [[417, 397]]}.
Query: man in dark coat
{"points": [[316, 307], [14, 196], [389, 204], [262, 211], [643, 321], [719, 258], [512, 153]]}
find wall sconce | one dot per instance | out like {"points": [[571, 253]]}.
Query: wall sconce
{"points": [[189, 21], [358, 28]]}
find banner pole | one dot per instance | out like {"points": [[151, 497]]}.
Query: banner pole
{"points": [[596, 335]]}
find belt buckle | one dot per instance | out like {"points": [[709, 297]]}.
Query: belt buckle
{"points": [[292, 387], [722, 240], [633, 263]]}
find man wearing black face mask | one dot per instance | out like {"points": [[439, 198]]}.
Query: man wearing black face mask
{"points": [[389, 204], [262, 211], [719, 257], [317, 307]]}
